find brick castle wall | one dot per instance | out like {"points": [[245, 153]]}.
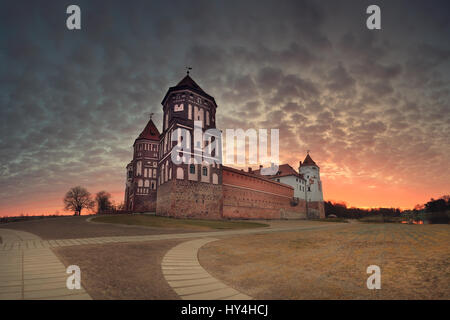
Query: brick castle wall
{"points": [[248, 196], [189, 199], [316, 210], [145, 203], [241, 196]]}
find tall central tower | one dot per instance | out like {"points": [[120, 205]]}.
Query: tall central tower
{"points": [[191, 188]]}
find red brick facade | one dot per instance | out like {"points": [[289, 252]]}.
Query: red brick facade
{"points": [[249, 196], [189, 199], [240, 196]]}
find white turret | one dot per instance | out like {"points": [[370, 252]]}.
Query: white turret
{"points": [[311, 173]]}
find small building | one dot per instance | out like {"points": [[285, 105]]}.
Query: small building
{"points": [[287, 175], [306, 183]]}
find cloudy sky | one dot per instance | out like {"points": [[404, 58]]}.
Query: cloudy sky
{"points": [[372, 106]]}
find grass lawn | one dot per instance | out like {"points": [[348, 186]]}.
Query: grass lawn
{"points": [[343, 220], [332, 263], [164, 222]]}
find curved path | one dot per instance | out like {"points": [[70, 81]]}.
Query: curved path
{"points": [[29, 270], [189, 280]]}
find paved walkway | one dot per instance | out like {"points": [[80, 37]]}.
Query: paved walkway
{"points": [[31, 272], [37, 243], [189, 280]]}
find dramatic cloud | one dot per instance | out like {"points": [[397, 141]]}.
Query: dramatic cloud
{"points": [[372, 106]]}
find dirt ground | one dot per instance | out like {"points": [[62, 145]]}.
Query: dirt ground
{"points": [[121, 270], [332, 263], [78, 227]]}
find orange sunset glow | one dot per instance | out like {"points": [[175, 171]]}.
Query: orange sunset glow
{"points": [[371, 106]]}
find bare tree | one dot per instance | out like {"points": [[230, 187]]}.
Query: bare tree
{"points": [[77, 199], [103, 200]]}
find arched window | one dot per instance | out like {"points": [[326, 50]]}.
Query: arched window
{"points": [[205, 171], [215, 178], [192, 168]]}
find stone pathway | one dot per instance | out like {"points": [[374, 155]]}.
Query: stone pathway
{"points": [[189, 280], [31, 272], [37, 243]]}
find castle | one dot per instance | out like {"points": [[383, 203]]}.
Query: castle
{"points": [[211, 191]]}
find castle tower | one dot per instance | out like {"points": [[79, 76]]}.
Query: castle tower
{"points": [[142, 171], [193, 187], [314, 195]]}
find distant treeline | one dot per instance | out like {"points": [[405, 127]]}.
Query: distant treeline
{"points": [[439, 205], [341, 210], [435, 210]]}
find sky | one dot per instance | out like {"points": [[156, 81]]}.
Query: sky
{"points": [[372, 106]]}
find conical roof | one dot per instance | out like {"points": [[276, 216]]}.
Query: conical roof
{"points": [[188, 83], [150, 132], [308, 161]]}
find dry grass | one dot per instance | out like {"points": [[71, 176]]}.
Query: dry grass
{"points": [[331, 264], [187, 224], [78, 227], [121, 270], [120, 225]]}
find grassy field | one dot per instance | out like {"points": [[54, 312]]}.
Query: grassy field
{"points": [[331, 264], [343, 220], [163, 222]]}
